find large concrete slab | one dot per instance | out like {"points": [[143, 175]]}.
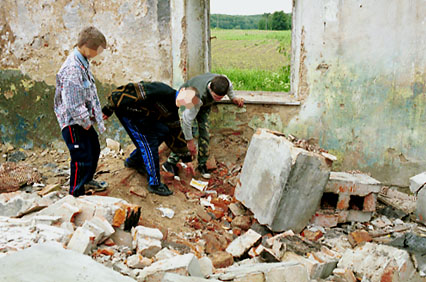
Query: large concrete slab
{"points": [[418, 181], [280, 183], [421, 205], [51, 263]]}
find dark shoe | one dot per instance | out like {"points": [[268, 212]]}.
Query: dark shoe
{"points": [[204, 172], [139, 168], [96, 186], [160, 189], [169, 167]]}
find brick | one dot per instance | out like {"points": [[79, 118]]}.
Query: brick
{"points": [[243, 243], [288, 180], [352, 184], [252, 277], [370, 203], [213, 244], [221, 259], [242, 222], [360, 236], [344, 275], [343, 202]]}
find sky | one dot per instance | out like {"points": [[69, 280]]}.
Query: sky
{"points": [[249, 7]]}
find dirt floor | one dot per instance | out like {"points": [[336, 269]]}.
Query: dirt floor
{"points": [[227, 155]]}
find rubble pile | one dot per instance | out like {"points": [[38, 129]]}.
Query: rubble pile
{"points": [[280, 216]]}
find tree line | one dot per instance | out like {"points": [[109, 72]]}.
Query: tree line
{"points": [[275, 21]]}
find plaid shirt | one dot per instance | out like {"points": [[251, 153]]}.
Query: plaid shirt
{"points": [[76, 98]]}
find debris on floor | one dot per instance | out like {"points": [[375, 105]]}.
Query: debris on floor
{"points": [[277, 214]]}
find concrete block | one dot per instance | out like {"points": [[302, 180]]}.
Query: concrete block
{"points": [[417, 182], [206, 266], [81, 241], [242, 270], [379, 263], [184, 264], [252, 277], [344, 275], [138, 261], [173, 277], [50, 262], [47, 233], [421, 205], [67, 208], [122, 238], [166, 253], [146, 240], [288, 180], [287, 274], [17, 203], [359, 216], [353, 184], [243, 243]]}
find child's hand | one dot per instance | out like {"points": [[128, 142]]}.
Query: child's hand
{"points": [[238, 101], [105, 117]]}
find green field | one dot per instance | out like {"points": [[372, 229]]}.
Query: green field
{"points": [[253, 59]]}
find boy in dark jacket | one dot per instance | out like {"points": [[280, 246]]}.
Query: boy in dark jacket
{"points": [[148, 113]]}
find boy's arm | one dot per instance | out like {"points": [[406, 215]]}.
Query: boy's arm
{"points": [[231, 94], [188, 116], [75, 99]]}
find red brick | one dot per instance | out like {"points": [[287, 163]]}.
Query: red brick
{"points": [[221, 259], [370, 203], [358, 237], [311, 235], [242, 222], [343, 202], [213, 244]]}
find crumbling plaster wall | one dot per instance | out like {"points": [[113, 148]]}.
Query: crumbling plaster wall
{"points": [[360, 69], [157, 40]]}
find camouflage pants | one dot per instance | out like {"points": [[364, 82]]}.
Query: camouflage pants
{"points": [[200, 128]]}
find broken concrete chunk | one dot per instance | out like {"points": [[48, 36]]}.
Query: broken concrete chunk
{"points": [[206, 266], [146, 240], [17, 203], [49, 188], [282, 271], [344, 275], [113, 145], [288, 180], [138, 261], [166, 253], [81, 241], [122, 238], [173, 277], [417, 182], [379, 262], [243, 243], [50, 262], [185, 264], [421, 206]]}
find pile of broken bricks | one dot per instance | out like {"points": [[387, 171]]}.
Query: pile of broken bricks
{"points": [[282, 216]]}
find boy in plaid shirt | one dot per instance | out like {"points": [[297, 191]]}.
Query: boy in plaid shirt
{"points": [[77, 109]]}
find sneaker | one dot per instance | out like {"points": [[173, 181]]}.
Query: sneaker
{"points": [[139, 168], [96, 186], [204, 172], [160, 189], [172, 168]]}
